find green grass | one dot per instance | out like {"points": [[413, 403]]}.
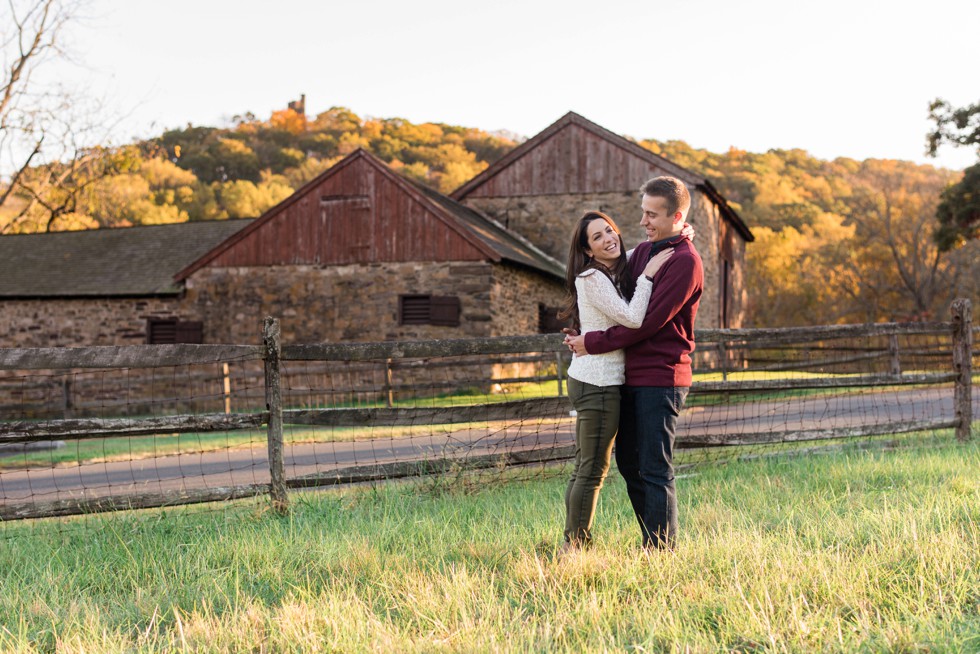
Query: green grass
{"points": [[860, 551]]}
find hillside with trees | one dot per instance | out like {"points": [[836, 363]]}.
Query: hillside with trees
{"points": [[836, 241]]}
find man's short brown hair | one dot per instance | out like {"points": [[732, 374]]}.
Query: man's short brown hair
{"points": [[670, 189]]}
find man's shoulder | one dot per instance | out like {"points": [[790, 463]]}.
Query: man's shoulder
{"points": [[685, 262], [686, 249]]}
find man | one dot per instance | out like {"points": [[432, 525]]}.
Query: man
{"points": [[658, 361]]}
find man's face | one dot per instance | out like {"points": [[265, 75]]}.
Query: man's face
{"points": [[656, 221]]}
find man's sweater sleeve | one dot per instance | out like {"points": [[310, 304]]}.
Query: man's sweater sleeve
{"points": [[673, 288]]}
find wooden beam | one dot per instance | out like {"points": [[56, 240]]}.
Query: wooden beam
{"points": [[26, 431], [689, 441], [402, 469], [777, 335], [821, 382], [123, 356], [27, 510], [547, 407], [433, 348]]}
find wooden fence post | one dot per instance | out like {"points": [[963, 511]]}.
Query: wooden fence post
{"points": [[68, 400], [389, 385], [225, 371], [272, 352], [723, 359], [893, 351], [558, 372], [962, 365]]}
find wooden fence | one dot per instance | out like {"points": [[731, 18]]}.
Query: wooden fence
{"points": [[733, 352]]}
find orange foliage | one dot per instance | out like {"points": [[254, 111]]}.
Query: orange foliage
{"points": [[288, 120]]}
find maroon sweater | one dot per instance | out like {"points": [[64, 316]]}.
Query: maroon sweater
{"points": [[658, 353]]}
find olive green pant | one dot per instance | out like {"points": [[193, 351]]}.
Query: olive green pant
{"points": [[597, 409]]}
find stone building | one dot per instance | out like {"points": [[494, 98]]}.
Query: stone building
{"points": [[363, 254], [102, 286], [542, 187]]}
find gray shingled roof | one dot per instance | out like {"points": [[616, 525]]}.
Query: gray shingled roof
{"points": [[134, 261], [509, 245]]}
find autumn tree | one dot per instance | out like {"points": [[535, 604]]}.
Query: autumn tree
{"points": [[55, 196], [46, 130], [903, 274], [959, 211]]}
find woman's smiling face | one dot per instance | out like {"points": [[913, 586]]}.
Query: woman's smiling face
{"points": [[603, 242]]}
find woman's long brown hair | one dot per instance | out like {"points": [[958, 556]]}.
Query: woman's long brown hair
{"points": [[579, 261]]}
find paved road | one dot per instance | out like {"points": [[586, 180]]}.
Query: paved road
{"points": [[250, 466]]}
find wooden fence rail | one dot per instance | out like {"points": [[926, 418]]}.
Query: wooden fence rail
{"points": [[534, 349]]}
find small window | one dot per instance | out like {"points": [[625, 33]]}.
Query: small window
{"points": [[548, 322], [428, 310], [167, 331]]}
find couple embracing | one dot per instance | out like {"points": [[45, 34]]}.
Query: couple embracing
{"points": [[633, 315]]}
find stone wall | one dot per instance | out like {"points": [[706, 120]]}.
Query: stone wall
{"points": [[515, 299], [548, 221], [77, 322], [360, 302], [335, 303], [706, 219], [81, 322], [313, 303]]}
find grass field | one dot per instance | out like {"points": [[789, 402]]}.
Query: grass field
{"points": [[858, 551]]}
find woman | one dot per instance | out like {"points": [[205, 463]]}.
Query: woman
{"points": [[602, 293]]}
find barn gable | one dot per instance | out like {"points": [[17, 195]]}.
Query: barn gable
{"points": [[360, 211], [576, 156]]}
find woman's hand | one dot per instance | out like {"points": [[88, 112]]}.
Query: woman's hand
{"points": [[658, 260], [688, 231]]}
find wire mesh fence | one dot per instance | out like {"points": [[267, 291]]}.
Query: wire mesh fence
{"points": [[88, 430]]}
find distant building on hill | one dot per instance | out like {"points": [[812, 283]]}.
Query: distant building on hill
{"points": [[299, 106]]}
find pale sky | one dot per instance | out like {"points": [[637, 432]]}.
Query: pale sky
{"points": [[836, 78]]}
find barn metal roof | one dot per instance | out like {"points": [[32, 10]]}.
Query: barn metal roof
{"points": [[128, 262], [510, 245]]}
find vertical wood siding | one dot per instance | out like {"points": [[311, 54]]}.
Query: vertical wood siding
{"points": [[573, 160], [356, 215]]}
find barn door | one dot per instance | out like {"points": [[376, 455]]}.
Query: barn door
{"points": [[346, 229]]}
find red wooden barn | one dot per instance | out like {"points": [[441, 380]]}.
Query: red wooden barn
{"points": [[362, 253], [542, 187]]}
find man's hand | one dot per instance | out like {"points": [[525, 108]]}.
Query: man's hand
{"points": [[576, 344]]}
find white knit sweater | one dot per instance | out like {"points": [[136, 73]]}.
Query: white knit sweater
{"points": [[600, 306]]}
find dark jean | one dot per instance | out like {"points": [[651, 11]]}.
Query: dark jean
{"points": [[645, 457], [598, 411]]}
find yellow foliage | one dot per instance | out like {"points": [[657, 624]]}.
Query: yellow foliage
{"points": [[71, 222], [349, 142], [417, 170], [372, 129], [288, 120], [457, 173], [162, 173], [243, 199]]}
